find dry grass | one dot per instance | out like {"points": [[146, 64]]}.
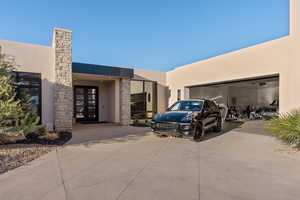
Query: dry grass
{"points": [[287, 128], [49, 136]]}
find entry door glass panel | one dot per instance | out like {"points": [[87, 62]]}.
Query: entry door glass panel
{"points": [[79, 103], [86, 103], [91, 103]]}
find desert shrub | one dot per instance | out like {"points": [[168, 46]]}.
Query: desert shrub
{"points": [[42, 131], [26, 122], [287, 127]]}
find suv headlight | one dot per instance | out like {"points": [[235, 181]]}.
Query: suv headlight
{"points": [[156, 117]]}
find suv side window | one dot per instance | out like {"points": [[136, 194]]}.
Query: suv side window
{"points": [[213, 106], [175, 107], [206, 105]]}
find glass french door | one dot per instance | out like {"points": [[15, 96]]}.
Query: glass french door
{"points": [[86, 103]]}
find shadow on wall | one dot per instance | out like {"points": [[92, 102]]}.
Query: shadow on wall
{"points": [[8, 58], [47, 104], [162, 97], [163, 94]]}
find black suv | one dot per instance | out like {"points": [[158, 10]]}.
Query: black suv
{"points": [[188, 118]]}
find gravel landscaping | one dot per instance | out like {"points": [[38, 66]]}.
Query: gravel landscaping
{"points": [[16, 155], [20, 150]]}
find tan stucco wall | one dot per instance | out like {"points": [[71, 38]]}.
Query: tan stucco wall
{"points": [[38, 59], [162, 89], [275, 57], [294, 17]]}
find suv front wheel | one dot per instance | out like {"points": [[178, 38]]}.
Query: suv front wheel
{"points": [[199, 133]]}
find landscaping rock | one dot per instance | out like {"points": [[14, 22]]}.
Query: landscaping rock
{"points": [[17, 155], [19, 151]]}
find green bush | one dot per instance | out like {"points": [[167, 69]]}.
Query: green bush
{"points": [[287, 127], [14, 114], [26, 123]]}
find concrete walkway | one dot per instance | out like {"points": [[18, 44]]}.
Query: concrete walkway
{"points": [[235, 165]]}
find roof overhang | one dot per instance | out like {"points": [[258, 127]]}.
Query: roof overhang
{"points": [[102, 70]]}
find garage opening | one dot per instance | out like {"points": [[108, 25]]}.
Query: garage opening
{"points": [[254, 98]]}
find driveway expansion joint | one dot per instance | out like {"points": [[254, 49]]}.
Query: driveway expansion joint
{"points": [[61, 174], [154, 155]]}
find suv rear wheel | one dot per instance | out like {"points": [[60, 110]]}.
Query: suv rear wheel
{"points": [[218, 127]]}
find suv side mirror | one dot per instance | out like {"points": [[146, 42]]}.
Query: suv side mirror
{"points": [[205, 110]]}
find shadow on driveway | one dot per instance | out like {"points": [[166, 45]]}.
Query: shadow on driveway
{"points": [[89, 134], [259, 127], [227, 127]]}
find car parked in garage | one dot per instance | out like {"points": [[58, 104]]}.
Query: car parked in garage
{"points": [[189, 118]]}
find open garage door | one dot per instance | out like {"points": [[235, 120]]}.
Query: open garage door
{"points": [[243, 96]]}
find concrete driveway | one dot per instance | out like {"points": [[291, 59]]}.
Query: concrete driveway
{"points": [[139, 165], [93, 133]]}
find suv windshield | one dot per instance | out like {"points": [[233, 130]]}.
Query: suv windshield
{"points": [[187, 106]]}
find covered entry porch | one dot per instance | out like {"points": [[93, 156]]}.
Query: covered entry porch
{"points": [[96, 98], [101, 94]]}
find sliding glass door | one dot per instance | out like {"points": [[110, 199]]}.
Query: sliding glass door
{"points": [[143, 99]]}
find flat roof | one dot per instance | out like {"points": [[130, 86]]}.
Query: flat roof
{"points": [[101, 70]]}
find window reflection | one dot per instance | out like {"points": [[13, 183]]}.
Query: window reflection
{"points": [[143, 99], [28, 89]]}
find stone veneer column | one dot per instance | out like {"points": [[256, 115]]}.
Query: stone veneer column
{"points": [[125, 101], [63, 91]]}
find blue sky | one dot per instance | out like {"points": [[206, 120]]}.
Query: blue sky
{"points": [[156, 34]]}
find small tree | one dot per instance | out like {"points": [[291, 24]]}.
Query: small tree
{"points": [[14, 115]]}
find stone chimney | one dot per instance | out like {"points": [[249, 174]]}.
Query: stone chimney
{"points": [[63, 91]]}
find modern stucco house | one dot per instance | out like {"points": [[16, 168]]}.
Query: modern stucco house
{"points": [[66, 92]]}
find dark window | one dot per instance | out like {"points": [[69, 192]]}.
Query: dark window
{"points": [[143, 99], [178, 94], [206, 106], [28, 89]]}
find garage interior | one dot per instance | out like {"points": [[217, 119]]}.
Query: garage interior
{"points": [[255, 98]]}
